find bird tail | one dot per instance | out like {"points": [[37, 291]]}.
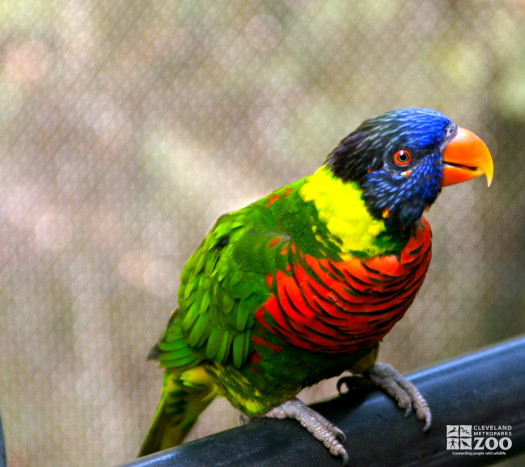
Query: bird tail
{"points": [[185, 394]]}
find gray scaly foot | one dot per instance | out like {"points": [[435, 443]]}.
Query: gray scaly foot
{"points": [[400, 389], [315, 423]]}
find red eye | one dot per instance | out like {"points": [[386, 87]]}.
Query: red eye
{"points": [[402, 157]]}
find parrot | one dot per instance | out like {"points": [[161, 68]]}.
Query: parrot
{"points": [[303, 284]]}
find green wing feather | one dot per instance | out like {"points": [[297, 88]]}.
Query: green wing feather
{"points": [[222, 285]]}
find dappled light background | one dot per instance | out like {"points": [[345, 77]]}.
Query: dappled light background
{"points": [[128, 127]]}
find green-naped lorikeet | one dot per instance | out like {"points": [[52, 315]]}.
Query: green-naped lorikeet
{"points": [[304, 283]]}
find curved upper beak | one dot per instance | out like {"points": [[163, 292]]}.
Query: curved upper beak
{"points": [[466, 157]]}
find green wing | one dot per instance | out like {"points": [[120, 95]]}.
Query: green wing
{"points": [[222, 286]]}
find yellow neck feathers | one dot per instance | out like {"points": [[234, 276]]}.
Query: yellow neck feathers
{"points": [[341, 207]]}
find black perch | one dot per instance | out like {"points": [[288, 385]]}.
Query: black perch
{"points": [[483, 388]]}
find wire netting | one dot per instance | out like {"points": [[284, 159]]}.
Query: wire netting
{"points": [[128, 127]]}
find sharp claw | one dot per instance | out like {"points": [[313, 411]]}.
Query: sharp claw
{"points": [[339, 384], [408, 410], [427, 418], [351, 382], [427, 426], [402, 391], [344, 456], [339, 434]]}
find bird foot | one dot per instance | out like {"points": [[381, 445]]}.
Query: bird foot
{"points": [[315, 423], [400, 389]]}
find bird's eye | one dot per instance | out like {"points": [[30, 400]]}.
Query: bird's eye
{"points": [[402, 157]]}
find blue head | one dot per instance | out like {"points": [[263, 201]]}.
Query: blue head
{"points": [[397, 160]]}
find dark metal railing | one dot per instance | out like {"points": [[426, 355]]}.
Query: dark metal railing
{"points": [[3, 459], [485, 388]]}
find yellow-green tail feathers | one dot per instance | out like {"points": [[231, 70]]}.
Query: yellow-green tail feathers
{"points": [[185, 394]]}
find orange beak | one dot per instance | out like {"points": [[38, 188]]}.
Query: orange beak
{"points": [[466, 157]]}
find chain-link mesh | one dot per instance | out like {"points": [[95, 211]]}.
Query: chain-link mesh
{"points": [[129, 126]]}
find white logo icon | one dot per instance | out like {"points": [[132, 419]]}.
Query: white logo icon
{"points": [[459, 437]]}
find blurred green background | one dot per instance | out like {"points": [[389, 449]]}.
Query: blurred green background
{"points": [[128, 127]]}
